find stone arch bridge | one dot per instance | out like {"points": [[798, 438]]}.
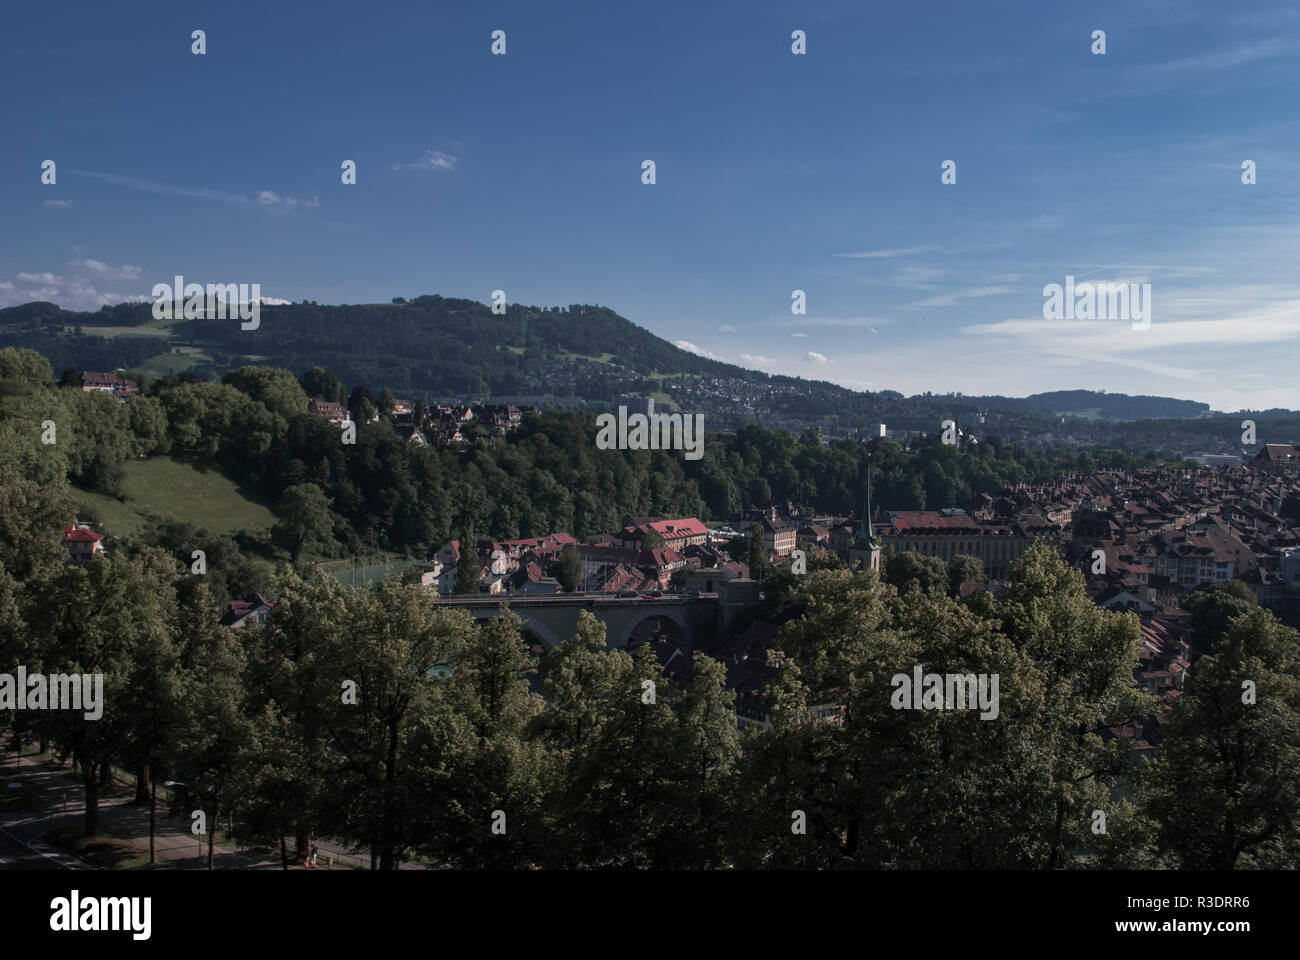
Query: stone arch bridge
{"points": [[554, 619]]}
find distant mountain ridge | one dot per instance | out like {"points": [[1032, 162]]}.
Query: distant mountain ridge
{"points": [[438, 346]]}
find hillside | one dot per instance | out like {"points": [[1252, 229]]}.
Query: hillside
{"points": [[161, 489], [434, 346]]}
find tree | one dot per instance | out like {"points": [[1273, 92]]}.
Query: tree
{"points": [[964, 568], [909, 569], [387, 402], [214, 728], [1225, 788], [678, 578], [70, 378], [737, 548], [277, 390], [318, 382], [759, 564], [491, 764], [392, 716], [284, 778], [108, 619], [1213, 607], [652, 539], [468, 571], [569, 569], [361, 404], [306, 521]]}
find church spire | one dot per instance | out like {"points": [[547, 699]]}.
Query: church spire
{"points": [[864, 528]]}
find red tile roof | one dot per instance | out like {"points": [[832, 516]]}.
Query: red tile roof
{"points": [[80, 535]]}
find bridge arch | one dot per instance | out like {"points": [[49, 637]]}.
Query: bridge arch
{"points": [[680, 631], [534, 624]]}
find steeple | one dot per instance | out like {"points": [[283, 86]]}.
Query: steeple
{"points": [[864, 527], [864, 552]]}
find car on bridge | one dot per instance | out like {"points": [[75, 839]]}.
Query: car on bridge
{"points": [[654, 595], [628, 595]]}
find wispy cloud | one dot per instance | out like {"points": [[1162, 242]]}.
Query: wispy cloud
{"points": [[432, 160], [869, 323], [883, 254], [264, 198], [816, 357], [917, 278], [727, 328], [749, 358], [169, 189], [269, 199], [1225, 58], [949, 299], [61, 204]]}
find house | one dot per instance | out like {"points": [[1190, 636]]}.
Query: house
{"points": [[812, 533], [108, 383], [411, 434], [247, 612], [332, 412], [779, 534], [676, 534], [82, 543], [1277, 457]]}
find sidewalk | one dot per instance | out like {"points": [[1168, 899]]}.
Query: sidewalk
{"points": [[54, 819]]}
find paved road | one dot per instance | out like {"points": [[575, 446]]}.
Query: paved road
{"points": [[22, 849], [20, 845]]}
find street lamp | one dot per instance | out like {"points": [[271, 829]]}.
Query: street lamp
{"points": [[177, 783]]}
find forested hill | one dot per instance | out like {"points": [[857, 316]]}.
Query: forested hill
{"points": [[431, 344], [435, 346], [1104, 406]]}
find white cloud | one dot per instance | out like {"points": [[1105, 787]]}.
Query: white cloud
{"points": [[727, 328], [62, 204], [124, 272], [749, 358], [267, 197], [77, 290], [817, 357], [799, 335], [274, 302], [698, 351], [432, 160]]}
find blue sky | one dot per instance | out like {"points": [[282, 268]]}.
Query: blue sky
{"points": [[775, 172]]}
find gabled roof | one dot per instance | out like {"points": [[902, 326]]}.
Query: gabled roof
{"points": [[79, 534]]}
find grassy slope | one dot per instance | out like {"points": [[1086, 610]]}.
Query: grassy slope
{"points": [[160, 487]]}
